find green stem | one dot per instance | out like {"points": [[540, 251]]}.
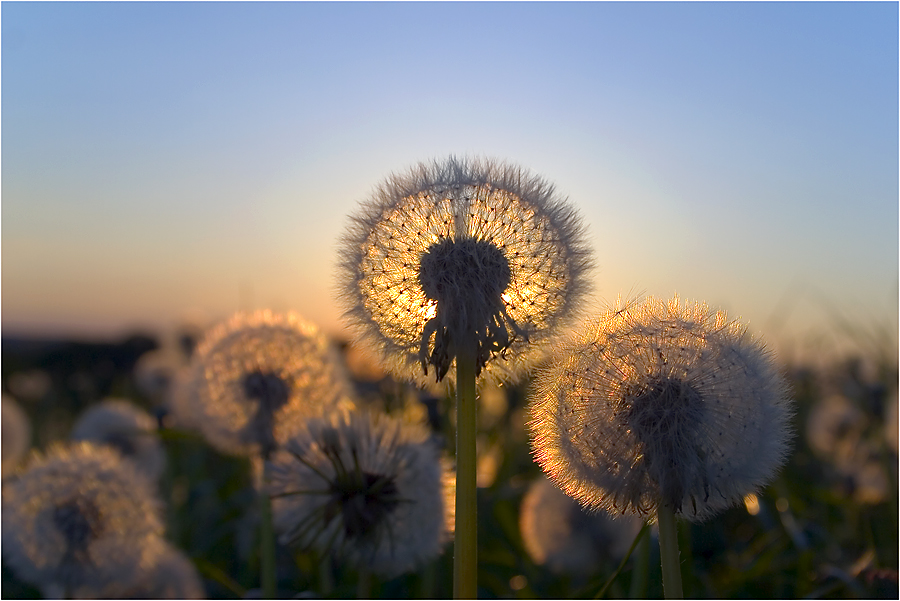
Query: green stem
{"points": [[637, 539], [668, 552], [465, 545], [641, 572], [267, 542]]}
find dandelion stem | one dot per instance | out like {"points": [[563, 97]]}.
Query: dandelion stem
{"points": [[637, 539], [465, 546], [267, 545], [641, 571], [668, 552]]}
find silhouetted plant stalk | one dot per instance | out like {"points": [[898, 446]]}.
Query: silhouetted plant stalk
{"points": [[668, 552], [458, 264], [465, 545]]}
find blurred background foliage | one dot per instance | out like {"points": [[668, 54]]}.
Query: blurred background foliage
{"points": [[827, 527]]}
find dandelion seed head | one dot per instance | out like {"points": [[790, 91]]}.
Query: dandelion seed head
{"points": [[459, 249], [154, 373], [659, 402], [370, 489], [559, 533], [128, 429], [79, 515], [258, 375], [29, 386]]}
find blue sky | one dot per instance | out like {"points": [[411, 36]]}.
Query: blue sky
{"points": [[166, 158]]}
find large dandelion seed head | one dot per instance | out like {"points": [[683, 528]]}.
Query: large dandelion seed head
{"points": [[661, 403], [128, 429], [79, 515], [258, 375], [462, 249], [369, 489]]}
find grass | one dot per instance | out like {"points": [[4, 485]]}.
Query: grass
{"points": [[814, 535]]}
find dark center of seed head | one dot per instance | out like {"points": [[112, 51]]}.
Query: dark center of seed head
{"points": [[364, 501], [79, 522], [663, 416], [271, 393], [453, 270], [270, 390]]}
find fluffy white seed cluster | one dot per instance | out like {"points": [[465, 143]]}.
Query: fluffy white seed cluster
{"points": [[661, 403], [459, 250], [128, 429], [559, 533], [258, 376], [367, 488], [80, 516]]}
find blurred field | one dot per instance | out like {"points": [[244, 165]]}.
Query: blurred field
{"points": [[826, 528]]}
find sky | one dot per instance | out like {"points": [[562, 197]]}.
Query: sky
{"points": [[171, 161]]}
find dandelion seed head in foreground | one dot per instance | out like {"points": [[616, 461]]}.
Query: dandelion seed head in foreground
{"points": [[659, 402], [368, 488], [79, 515], [462, 248], [258, 375], [128, 429]]}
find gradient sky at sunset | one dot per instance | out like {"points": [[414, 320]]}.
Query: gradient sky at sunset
{"points": [[167, 159]]}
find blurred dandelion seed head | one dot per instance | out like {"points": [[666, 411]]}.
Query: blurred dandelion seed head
{"points": [[370, 489], [559, 533], [128, 429], [257, 376], [659, 402], [79, 515], [837, 431], [459, 249]]}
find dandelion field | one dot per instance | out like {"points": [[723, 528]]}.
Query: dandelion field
{"points": [[825, 528], [470, 441]]}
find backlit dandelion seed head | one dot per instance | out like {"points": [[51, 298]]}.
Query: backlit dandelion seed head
{"points": [[258, 375], [659, 402], [369, 489], [128, 429], [462, 248], [561, 534], [79, 515]]}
